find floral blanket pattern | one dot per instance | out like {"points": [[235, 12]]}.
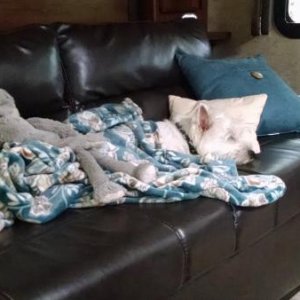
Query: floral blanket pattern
{"points": [[39, 181], [180, 177]]}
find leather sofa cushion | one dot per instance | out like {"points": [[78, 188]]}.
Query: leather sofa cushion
{"points": [[204, 227], [281, 156], [105, 253], [270, 269], [253, 223], [30, 70], [123, 252], [114, 59]]}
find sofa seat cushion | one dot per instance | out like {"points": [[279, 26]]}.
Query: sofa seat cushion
{"points": [[281, 156], [104, 253], [269, 269], [203, 226], [253, 223]]}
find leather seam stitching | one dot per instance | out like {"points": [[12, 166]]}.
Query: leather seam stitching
{"points": [[184, 247], [201, 274], [68, 98], [183, 243], [56, 45], [5, 295]]}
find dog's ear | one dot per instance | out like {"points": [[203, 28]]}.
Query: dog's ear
{"points": [[204, 120]]}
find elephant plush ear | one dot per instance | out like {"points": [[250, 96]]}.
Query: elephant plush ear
{"points": [[7, 105]]}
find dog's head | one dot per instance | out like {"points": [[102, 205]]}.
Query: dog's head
{"points": [[7, 105], [216, 136]]}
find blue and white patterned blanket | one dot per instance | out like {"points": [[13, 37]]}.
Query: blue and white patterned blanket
{"points": [[39, 181]]}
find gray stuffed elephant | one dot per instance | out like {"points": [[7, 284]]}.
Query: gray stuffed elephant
{"points": [[13, 128]]}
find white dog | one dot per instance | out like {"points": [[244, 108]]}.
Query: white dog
{"points": [[213, 133]]}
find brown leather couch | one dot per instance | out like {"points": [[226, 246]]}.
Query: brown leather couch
{"points": [[200, 249]]}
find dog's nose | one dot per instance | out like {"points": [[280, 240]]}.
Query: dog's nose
{"points": [[251, 154]]}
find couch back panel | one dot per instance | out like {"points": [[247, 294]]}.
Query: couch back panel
{"points": [[104, 61], [153, 102], [30, 70]]}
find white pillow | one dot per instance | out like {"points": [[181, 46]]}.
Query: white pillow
{"points": [[245, 110]]}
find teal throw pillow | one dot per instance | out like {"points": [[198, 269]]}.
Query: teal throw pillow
{"points": [[228, 78]]}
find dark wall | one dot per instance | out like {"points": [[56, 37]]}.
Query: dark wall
{"points": [[15, 13]]}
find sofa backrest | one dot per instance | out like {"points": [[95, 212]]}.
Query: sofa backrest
{"points": [[30, 70], [47, 68], [106, 61]]}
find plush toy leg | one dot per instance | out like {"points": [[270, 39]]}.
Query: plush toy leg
{"points": [[105, 191], [62, 129], [144, 172]]}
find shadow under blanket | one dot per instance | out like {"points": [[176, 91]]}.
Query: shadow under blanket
{"points": [[39, 181]]}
